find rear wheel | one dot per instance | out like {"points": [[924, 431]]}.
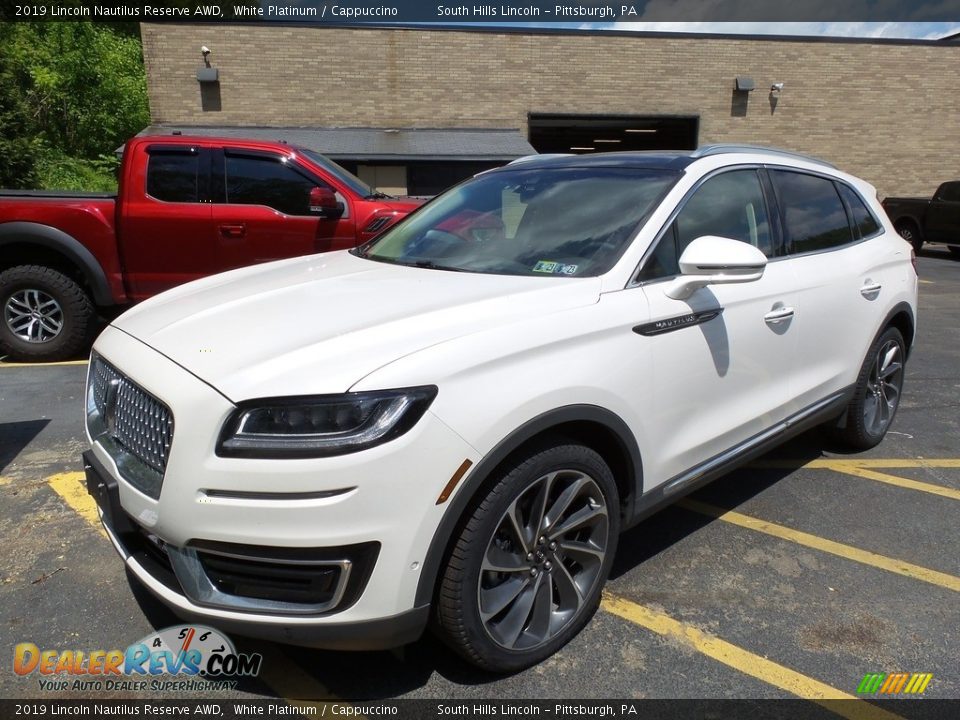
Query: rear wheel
{"points": [[954, 250], [526, 574], [46, 315], [877, 395]]}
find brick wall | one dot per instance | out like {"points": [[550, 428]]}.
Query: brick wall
{"points": [[887, 112]]}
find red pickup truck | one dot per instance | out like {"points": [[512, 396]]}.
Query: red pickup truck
{"points": [[186, 207]]}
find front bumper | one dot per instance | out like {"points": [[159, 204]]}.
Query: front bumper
{"points": [[153, 564], [216, 546]]}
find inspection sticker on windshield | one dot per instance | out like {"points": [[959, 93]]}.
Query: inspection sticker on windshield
{"points": [[554, 268]]}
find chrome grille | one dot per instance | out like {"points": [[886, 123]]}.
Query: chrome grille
{"points": [[133, 418]]}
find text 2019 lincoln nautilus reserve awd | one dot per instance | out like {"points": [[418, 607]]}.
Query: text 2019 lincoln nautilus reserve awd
{"points": [[452, 423]]}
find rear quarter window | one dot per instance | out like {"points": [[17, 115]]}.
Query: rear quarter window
{"points": [[813, 214], [864, 223]]}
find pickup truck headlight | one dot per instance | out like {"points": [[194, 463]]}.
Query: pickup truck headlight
{"points": [[321, 426]]}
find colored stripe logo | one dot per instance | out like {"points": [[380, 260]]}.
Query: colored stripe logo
{"points": [[894, 683]]}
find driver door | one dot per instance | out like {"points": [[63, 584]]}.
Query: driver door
{"points": [[263, 211], [723, 378]]}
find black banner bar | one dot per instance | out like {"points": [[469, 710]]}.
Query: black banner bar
{"points": [[386, 12], [44, 709]]}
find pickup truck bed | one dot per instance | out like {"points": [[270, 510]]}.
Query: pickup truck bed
{"points": [[59, 194]]}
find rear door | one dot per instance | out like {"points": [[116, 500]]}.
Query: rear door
{"points": [[164, 233], [943, 215], [262, 212], [843, 278]]}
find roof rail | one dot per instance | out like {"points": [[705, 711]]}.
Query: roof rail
{"points": [[541, 156], [721, 148]]}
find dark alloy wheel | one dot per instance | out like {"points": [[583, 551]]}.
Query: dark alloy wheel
{"points": [[877, 396], [527, 572], [909, 232]]}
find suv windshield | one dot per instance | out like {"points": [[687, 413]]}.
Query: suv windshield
{"points": [[341, 173], [566, 221]]}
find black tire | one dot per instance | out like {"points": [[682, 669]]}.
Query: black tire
{"points": [[571, 552], [68, 314], [954, 250], [877, 395], [909, 231]]}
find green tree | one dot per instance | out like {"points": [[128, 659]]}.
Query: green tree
{"points": [[73, 92], [18, 147]]}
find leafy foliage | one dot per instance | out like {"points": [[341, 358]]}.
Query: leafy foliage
{"points": [[70, 93]]}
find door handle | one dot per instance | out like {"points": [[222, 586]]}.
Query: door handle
{"points": [[870, 289], [778, 316], [233, 231]]}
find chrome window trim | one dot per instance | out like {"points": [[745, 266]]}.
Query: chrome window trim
{"points": [[782, 245]]}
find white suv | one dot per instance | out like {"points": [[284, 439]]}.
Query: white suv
{"points": [[464, 413]]}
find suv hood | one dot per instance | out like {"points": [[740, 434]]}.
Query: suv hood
{"points": [[319, 324]]}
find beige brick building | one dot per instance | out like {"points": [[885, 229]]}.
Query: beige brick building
{"points": [[887, 111]]}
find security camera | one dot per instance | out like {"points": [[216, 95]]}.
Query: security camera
{"points": [[206, 51], [776, 87]]}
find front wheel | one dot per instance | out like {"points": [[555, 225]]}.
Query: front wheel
{"points": [[526, 574], [46, 315], [877, 394]]}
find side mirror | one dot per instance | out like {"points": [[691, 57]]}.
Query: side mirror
{"points": [[323, 202], [712, 260]]}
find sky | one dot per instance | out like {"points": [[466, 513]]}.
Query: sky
{"points": [[915, 30], [902, 30]]}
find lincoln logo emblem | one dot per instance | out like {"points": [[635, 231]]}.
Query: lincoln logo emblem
{"points": [[110, 406]]}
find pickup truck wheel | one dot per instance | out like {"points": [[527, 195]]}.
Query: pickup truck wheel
{"points": [[527, 571], [46, 315], [877, 395], [909, 232]]}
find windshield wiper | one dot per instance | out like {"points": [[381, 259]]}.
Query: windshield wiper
{"points": [[431, 265], [377, 195]]}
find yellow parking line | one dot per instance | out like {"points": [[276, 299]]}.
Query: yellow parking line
{"points": [[47, 364], [927, 282], [833, 463], [900, 567], [5, 481], [280, 674], [899, 481], [743, 660], [70, 486]]}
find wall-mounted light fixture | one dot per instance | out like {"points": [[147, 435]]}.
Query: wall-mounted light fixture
{"points": [[207, 73], [776, 88]]}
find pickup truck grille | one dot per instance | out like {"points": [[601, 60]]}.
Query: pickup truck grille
{"points": [[130, 423]]}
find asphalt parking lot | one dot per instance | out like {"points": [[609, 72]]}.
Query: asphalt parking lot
{"points": [[793, 577]]}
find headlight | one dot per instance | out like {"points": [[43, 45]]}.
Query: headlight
{"points": [[322, 425]]}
